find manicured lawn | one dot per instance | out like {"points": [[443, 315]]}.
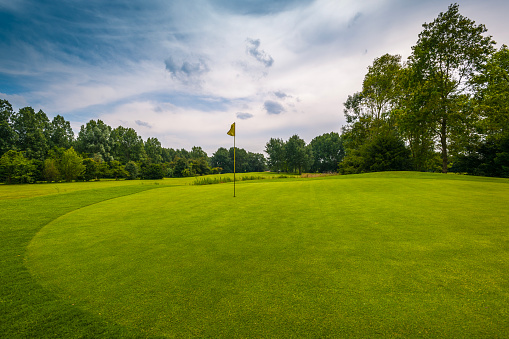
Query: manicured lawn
{"points": [[376, 255]]}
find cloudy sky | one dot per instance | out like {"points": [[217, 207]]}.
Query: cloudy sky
{"points": [[183, 71]]}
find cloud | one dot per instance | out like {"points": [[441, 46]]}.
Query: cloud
{"points": [[244, 116], [186, 71], [143, 123], [273, 107], [281, 95], [261, 56]]}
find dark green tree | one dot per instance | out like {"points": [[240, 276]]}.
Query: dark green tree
{"points": [[154, 150], [71, 165], [94, 139], [298, 156], [221, 158], [448, 53], [7, 133], [60, 133], [328, 151], [127, 145], [15, 168], [31, 129], [275, 150]]}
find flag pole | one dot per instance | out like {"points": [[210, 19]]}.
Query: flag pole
{"points": [[231, 132], [234, 165]]}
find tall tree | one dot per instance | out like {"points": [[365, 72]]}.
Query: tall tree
{"points": [[7, 133], [71, 165], [60, 133], [447, 54], [298, 156], [154, 150], [94, 138], [127, 145], [221, 159], [31, 129], [275, 149], [328, 151]]}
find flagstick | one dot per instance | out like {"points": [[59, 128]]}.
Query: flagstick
{"points": [[234, 165]]}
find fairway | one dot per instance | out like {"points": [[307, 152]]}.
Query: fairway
{"points": [[384, 254]]}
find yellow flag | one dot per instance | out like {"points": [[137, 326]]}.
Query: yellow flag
{"points": [[232, 130]]}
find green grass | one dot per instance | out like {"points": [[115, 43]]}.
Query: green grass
{"points": [[377, 255]]}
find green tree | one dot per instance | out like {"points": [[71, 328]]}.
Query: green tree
{"points": [[447, 54], [7, 133], [51, 172], [154, 150], [275, 150], [117, 170], [15, 168], [256, 162], [71, 165], [221, 158], [133, 170], [127, 145], [153, 171], [91, 170], [328, 151], [94, 138], [31, 129], [60, 133], [298, 156]]}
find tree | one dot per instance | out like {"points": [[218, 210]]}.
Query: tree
{"points": [[154, 150], [15, 168], [255, 162], [7, 133], [71, 165], [492, 94], [117, 170], [447, 54], [153, 171], [127, 145], [298, 156], [91, 170], [51, 172], [275, 149], [380, 89], [132, 169], [31, 129], [94, 138], [60, 133], [328, 151], [221, 158]]}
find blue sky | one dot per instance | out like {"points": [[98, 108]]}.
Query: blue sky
{"points": [[183, 71]]}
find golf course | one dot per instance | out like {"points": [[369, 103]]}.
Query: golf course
{"points": [[390, 254]]}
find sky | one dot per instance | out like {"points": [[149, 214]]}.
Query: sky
{"points": [[184, 71]]}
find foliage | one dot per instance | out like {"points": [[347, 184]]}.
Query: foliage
{"points": [[447, 54], [71, 165], [15, 168], [133, 170], [127, 145], [94, 138], [328, 152], [7, 133], [152, 171], [31, 130]]}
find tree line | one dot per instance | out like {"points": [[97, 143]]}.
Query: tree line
{"points": [[445, 109], [33, 148]]}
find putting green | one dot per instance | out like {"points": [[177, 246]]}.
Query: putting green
{"points": [[409, 255]]}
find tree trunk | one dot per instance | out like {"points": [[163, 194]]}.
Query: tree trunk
{"points": [[443, 141]]}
